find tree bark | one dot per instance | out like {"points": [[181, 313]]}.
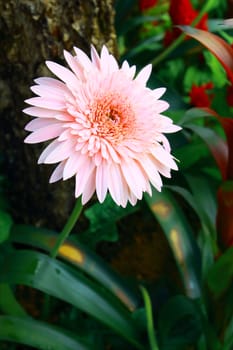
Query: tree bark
{"points": [[30, 33]]}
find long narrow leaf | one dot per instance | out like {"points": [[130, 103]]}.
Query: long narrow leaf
{"points": [[222, 50], [38, 334], [8, 303], [56, 279], [180, 238], [217, 146], [80, 256]]}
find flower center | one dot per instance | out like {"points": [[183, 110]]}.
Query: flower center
{"points": [[111, 117]]}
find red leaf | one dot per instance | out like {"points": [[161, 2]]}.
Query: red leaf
{"points": [[227, 124], [219, 48], [225, 214]]}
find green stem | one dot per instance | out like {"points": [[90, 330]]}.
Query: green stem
{"points": [[179, 40], [150, 324], [67, 228], [168, 50]]}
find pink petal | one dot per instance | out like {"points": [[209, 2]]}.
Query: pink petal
{"points": [[83, 59], [134, 177], [157, 93], [144, 74], [51, 82], [56, 105], [73, 164], [53, 145], [61, 152], [42, 112], [151, 170], [129, 71], [95, 57], [74, 65], [45, 91], [63, 73], [101, 181], [89, 189], [163, 156], [116, 183], [161, 106], [107, 61], [47, 133], [82, 176], [38, 123], [57, 173]]}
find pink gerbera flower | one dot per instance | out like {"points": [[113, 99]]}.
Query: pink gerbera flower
{"points": [[107, 126]]}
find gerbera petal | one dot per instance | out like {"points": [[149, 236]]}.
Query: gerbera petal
{"points": [[83, 59], [129, 71], [95, 57], [56, 105], [151, 170], [101, 181], [82, 176], [63, 73], [44, 134], [144, 74], [134, 177], [47, 150], [38, 123], [74, 65], [89, 189], [73, 164], [161, 106], [163, 156], [61, 152], [107, 62], [57, 173], [157, 93], [41, 112]]}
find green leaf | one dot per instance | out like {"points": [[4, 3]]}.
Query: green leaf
{"points": [[218, 74], [8, 302], [38, 334], [81, 257], [180, 237], [217, 146], [56, 279], [5, 225], [179, 323], [204, 194], [220, 276], [103, 218], [193, 114], [216, 45], [228, 338], [190, 154], [194, 75]]}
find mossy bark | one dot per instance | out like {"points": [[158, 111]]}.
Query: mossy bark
{"points": [[30, 33]]}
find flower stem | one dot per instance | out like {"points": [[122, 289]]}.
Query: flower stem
{"points": [[67, 228], [149, 316], [168, 50], [206, 7]]}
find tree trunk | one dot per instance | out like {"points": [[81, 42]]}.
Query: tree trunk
{"points": [[32, 31]]}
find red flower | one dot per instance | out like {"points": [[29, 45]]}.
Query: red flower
{"points": [[199, 96], [146, 4], [230, 95], [183, 13]]}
